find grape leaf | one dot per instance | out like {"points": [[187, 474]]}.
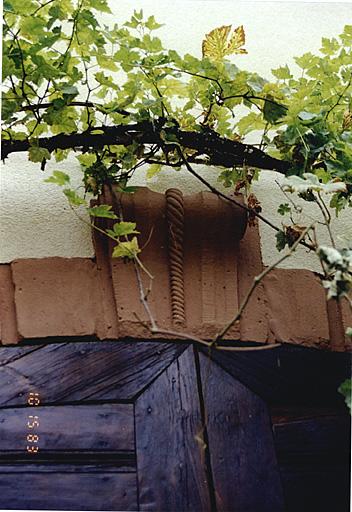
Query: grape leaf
{"points": [[346, 390], [37, 154], [103, 210], [153, 170], [73, 198], [284, 208], [59, 178], [123, 228], [127, 249], [280, 240], [217, 43]]}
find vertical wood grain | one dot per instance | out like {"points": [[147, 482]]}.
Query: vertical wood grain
{"points": [[242, 455], [170, 448]]}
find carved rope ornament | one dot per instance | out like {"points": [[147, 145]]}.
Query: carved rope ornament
{"points": [[175, 220]]}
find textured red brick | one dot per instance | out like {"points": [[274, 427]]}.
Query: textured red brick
{"points": [[212, 231], [336, 329], [346, 313], [297, 309], [107, 325], [210, 252], [8, 322], [147, 209], [254, 322], [55, 297]]}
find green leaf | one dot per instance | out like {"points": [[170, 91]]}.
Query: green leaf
{"points": [[323, 175], [20, 7], [59, 178], [73, 198], [307, 60], [138, 14], [280, 240], [123, 229], [282, 73], [103, 210], [273, 111], [61, 154], [8, 108], [309, 118], [127, 249], [249, 123], [56, 12], [100, 5], [169, 138], [329, 46], [151, 24], [106, 62], [153, 170], [346, 390], [87, 159], [284, 208], [8, 67], [70, 89], [7, 6], [37, 154], [32, 26]]}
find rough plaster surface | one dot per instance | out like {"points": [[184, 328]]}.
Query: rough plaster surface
{"points": [[270, 197], [36, 220]]}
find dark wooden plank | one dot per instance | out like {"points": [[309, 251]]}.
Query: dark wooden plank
{"points": [[314, 459], [69, 428], [317, 489], [322, 434], [170, 453], [295, 412], [9, 354], [290, 374], [84, 371], [242, 454], [21, 466], [67, 491]]}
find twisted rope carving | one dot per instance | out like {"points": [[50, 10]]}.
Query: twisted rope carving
{"points": [[175, 219]]}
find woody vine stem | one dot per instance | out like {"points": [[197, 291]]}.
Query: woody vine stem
{"points": [[118, 100]]}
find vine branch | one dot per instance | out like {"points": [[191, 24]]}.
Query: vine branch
{"points": [[219, 150]]}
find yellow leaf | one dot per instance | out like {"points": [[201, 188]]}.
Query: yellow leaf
{"points": [[217, 44], [128, 249], [153, 170], [237, 40]]}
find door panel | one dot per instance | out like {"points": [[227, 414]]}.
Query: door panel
{"points": [[162, 426], [67, 372], [171, 462], [68, 428], [314, 456], [242, 452], [33, 489]]}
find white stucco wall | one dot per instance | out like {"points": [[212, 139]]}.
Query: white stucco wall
{"points": [[35, 219]]}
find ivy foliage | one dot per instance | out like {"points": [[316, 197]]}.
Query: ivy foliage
{"points": [[65, 72]]}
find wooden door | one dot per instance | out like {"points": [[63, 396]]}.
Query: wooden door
{"points": [[130, 425]]}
